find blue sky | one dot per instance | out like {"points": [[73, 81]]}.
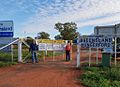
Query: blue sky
{"points": [[32, 16]]}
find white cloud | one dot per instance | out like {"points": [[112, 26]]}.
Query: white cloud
{"points": [[82, 12], [114, 19]]}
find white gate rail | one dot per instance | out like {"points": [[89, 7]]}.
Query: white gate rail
{"points": [[9, 44]]}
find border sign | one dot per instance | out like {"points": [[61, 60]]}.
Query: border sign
{"points": [[95, 41], [105, 30], [111, 30], [6, 29]]}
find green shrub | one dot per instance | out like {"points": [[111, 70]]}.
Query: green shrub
{"points": [[113, 74], [2, 64], [115, 84], [101, 77], [6, 58]]}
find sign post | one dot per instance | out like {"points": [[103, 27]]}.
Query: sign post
{"points": [[89, 57], [53, 55], [115, 50], [78, 56], [78, 52], [43, 56], [12, 52], [97, 56]]}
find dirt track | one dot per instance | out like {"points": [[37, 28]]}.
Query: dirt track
{"points": [[45, 74]]}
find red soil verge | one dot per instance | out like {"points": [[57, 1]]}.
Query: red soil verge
{"points": [[50, 73]]}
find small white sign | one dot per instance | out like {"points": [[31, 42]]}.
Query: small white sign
{"points": [[49, 46], [42, 46], [59, 46], [108, 50]]}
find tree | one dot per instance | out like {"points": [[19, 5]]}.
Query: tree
{"points": [[67, 30], [58, 37], [29, 40], [43, 35]]}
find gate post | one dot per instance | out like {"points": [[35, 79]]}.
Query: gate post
{"points": [[19, 51], [78, 52]]}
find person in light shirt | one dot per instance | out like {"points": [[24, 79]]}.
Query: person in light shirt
{"points": [[68, 49]]}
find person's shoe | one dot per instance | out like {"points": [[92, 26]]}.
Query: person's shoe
{"points": [[33, 62], [67, 60], [36, 62]]}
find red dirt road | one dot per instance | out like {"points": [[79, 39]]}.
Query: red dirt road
{"points": [[45, 74]]}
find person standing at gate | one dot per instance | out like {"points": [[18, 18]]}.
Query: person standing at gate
{"points": [[33, 49], [68, 48]]}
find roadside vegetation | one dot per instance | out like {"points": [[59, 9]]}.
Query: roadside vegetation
{"points": [[101, 76], [7, 60], [3, 64]]}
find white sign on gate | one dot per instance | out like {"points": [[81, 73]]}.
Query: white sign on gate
{"points": [[59, 46], [42, 46], [95, 41], [50, 46]]}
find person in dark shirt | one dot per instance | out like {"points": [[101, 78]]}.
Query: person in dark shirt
{"points": [[33, 49]]}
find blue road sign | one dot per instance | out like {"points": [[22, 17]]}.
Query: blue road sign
{"points": [[6, 29], [6, 34]]}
